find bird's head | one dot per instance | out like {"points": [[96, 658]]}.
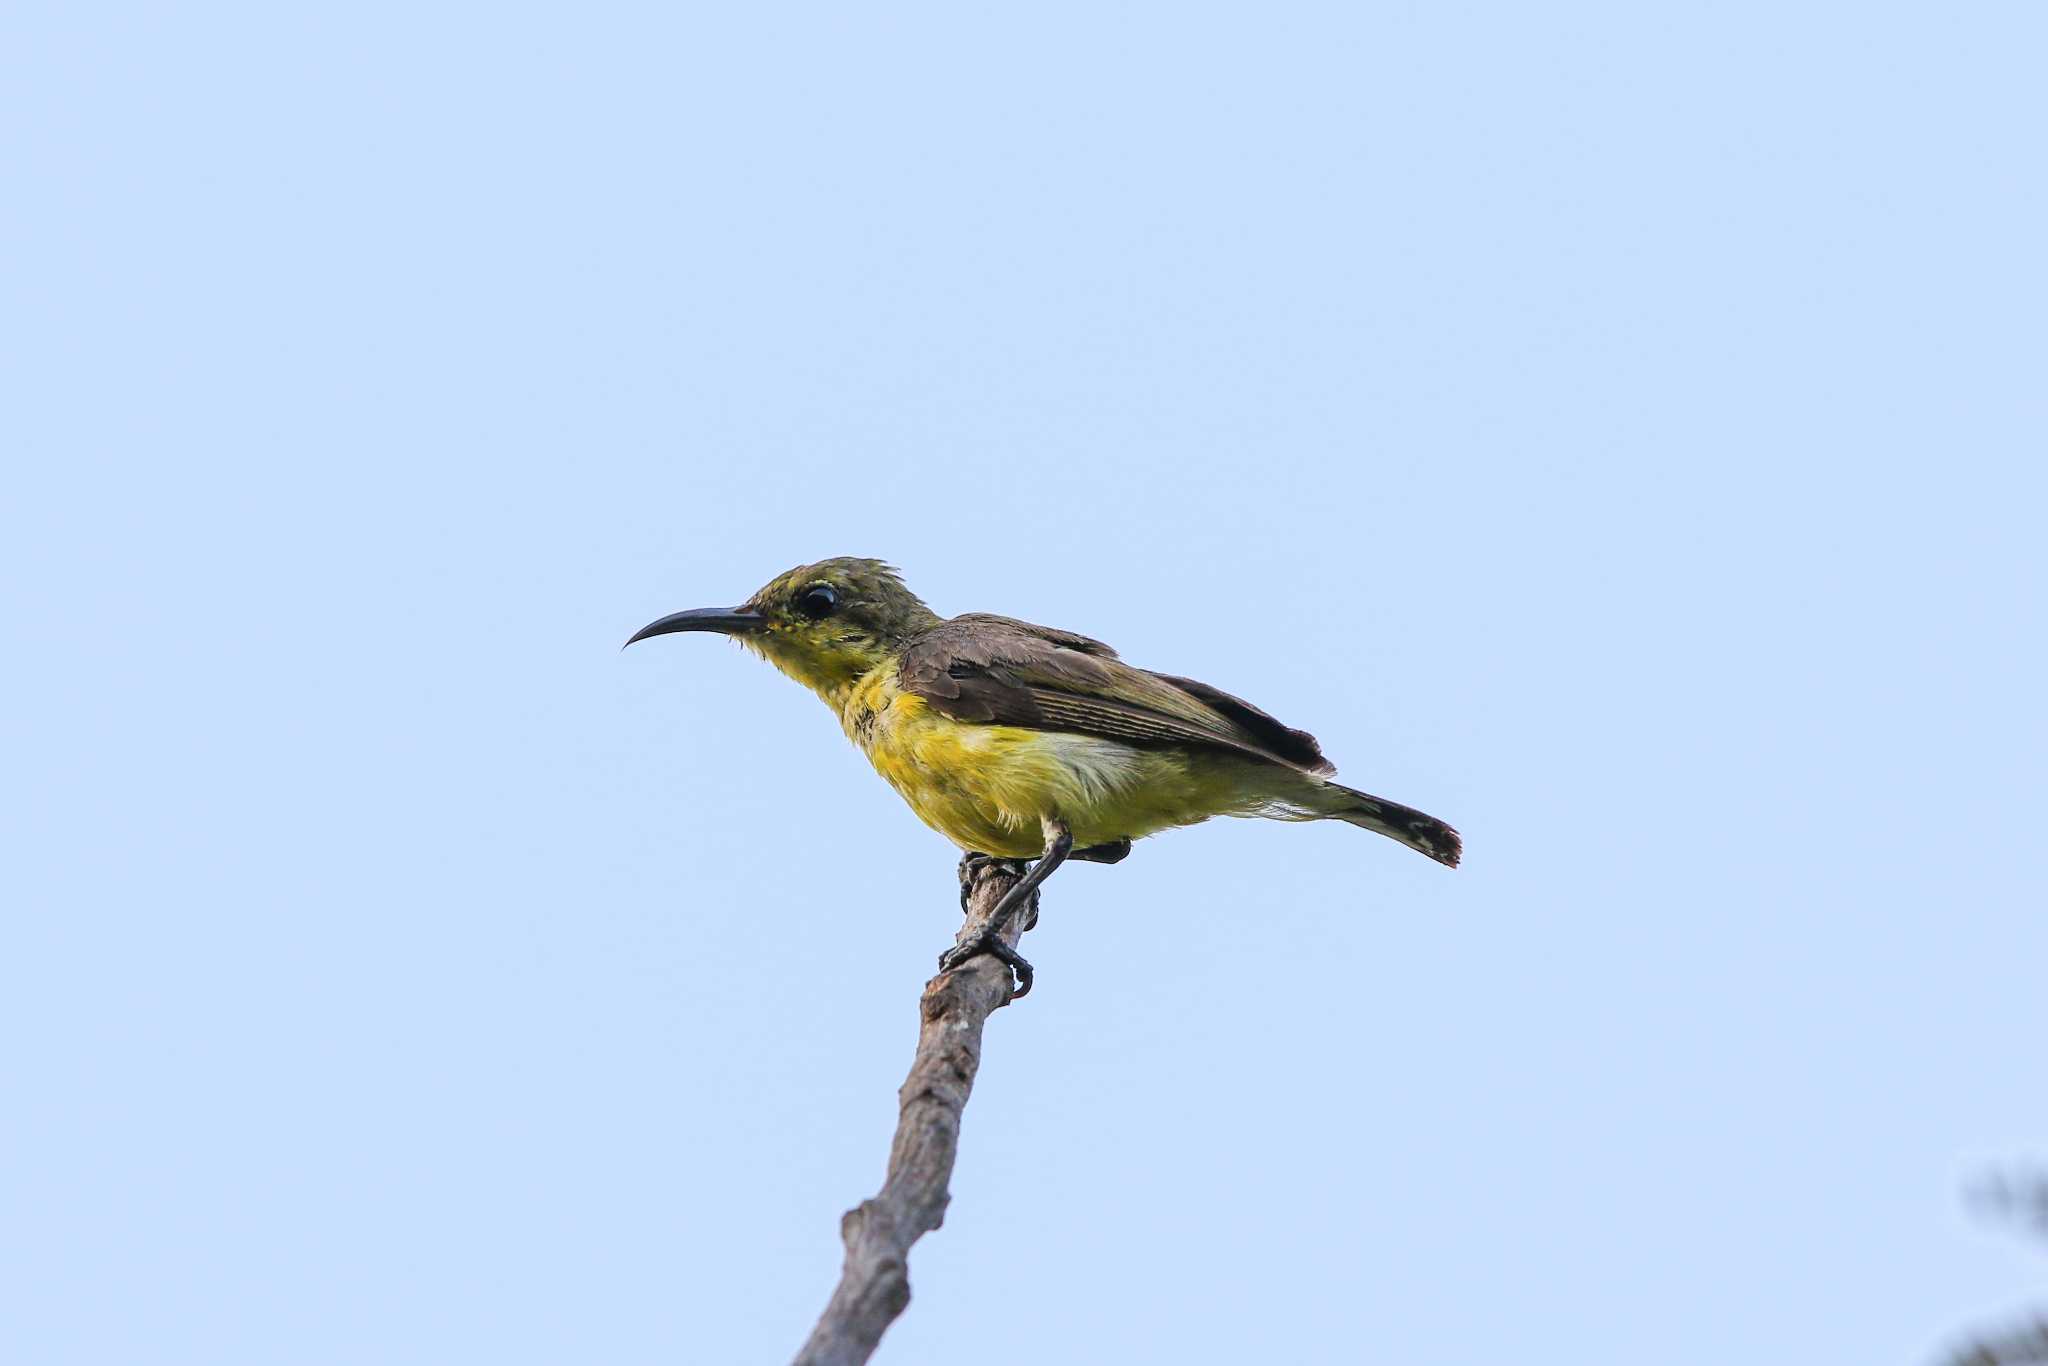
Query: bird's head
{"points": [[823, 624]]}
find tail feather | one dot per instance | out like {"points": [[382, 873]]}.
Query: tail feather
{"points": [[1424, 834]]}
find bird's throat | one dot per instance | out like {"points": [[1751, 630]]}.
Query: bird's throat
{"points": [[835, 676]]}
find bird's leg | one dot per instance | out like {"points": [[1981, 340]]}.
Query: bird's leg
{"points": [[1059, 842]]}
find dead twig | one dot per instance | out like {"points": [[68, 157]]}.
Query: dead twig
{"points": [[874, 1283]]}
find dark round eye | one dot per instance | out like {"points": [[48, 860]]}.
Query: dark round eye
{"points": [[818, 601]]}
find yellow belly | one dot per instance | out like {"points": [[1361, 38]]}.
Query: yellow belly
{"points": [[990, 788]]}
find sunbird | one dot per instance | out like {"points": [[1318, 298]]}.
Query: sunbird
{"points": [[1017, 741]]}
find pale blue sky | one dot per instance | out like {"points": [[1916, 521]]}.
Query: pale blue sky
{"points": [[1614, 428]]}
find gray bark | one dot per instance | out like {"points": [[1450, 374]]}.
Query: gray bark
{"points": [[874, 1283]]}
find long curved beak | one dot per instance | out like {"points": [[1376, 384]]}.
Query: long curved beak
{"points": [[729, 621]]}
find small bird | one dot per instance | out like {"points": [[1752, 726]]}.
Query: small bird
{"points": [[1017, 741]]}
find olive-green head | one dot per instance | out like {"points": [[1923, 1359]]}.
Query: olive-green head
{"points": [[823, 624]]}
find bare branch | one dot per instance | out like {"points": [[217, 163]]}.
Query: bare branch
{"points": [[874, 1284]]}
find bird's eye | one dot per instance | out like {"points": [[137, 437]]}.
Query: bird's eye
{"points": [[818, 601]]}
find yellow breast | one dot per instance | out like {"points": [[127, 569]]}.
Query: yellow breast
{"points": [[989, 788]]}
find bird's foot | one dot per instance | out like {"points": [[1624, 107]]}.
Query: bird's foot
{"points": [[972, 864], [1116, 852], [987, 942]]}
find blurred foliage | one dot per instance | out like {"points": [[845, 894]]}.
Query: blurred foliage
{"points": [[2020, 1198]]}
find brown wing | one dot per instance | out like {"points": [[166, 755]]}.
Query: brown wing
{"points": [[998, 671]]}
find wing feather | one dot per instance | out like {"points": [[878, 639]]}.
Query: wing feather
{"points": [[999, 671]]}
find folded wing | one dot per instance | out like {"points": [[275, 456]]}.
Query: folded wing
{"points": [[998, 671]]}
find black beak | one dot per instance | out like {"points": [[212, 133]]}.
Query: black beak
{"points": [[729, 621]]}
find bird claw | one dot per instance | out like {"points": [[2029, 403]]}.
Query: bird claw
{"points": [[971, 866], [987, 939], [986, 942], [1115, 852]]}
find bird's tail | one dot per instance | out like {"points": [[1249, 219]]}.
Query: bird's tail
{"points": [[1423, 834]]}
